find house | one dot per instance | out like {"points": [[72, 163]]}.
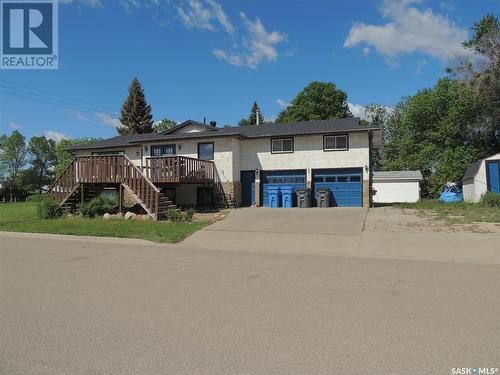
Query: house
{"points": [[396, 187], [199, 164], [481, 176]]}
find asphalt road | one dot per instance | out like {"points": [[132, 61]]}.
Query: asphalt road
{"points": [[77, 306]]}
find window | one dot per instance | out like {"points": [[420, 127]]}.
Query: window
{"points": [[206, 151], [335, 142], [281, 145], [343, 179], [163, 150], [355, 178]]}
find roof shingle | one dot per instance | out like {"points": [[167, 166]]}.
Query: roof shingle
{"points": [[351, 124]]}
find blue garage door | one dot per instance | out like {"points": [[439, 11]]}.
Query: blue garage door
{"points": [[295, 179], [493, 175], [345, 185]]}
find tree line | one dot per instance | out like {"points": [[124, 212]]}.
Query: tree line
{"points": [[29, 167]]}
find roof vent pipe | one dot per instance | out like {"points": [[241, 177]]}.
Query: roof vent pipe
{"points": [[213, 124], [257, 117]]}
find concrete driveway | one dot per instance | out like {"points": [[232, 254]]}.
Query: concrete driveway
{"points": [[359, 232]]}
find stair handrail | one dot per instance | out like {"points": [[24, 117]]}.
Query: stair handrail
{"points": [[141, 172], [49, 190]]}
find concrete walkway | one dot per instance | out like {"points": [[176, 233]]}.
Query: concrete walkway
{"points": [[340, 231]]}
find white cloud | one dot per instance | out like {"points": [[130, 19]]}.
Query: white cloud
{"points": [[201, 14], [14, 126], [56, 136], [197, 15], [410, 30], [259, 45], [108, 120], [282, 103], [420, 64], [231, 59], [221, 16], [77, 115], [90, 3], [357, 110]]}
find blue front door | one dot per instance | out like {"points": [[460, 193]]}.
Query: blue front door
{"points": [[493, 175], [248, 188]]}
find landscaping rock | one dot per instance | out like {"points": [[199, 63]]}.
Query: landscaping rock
{"points": [[106, 216], [130, 215]]}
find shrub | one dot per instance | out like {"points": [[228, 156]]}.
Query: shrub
{"points": [[36, 197], [98, 206], [189, 215], [173, 214], [48, 209], [176, 215], [490, 199]]}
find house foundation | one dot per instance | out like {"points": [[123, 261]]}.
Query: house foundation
{"points": [[366, 194]]}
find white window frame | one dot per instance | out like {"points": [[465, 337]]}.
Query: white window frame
{"points": [[282, 143], [346, 136]]}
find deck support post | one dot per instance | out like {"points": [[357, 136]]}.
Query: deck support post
{"points": [[120, 198], [82, 196]]}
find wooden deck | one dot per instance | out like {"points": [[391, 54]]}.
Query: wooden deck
{"points": [[179, 170], [87, 171]]}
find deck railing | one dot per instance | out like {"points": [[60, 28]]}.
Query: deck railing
{"points": [[117, 169], [180, 169]]}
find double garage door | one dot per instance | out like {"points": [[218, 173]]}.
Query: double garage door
{"points": [[345, 186]]}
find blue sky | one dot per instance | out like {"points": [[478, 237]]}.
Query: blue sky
{"points": [[213, 58]]}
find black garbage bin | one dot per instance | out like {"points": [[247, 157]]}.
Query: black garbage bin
{"points": [[303, 198], [323, 198]]}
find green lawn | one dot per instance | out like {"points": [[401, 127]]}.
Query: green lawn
{"points": [[454, 213], [21, 217]]}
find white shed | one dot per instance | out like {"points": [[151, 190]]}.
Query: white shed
{"points": [[480, 177], [396, 186]]}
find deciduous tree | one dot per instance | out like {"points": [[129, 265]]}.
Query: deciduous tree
{"points": [[164, 125], [318, 101], [43, 160]]}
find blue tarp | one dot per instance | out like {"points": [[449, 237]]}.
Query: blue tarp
{"points": [[451, 194], [450, 197]]}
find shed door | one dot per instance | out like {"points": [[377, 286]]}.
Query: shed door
{"points": [[345, 185], [493, 175]]}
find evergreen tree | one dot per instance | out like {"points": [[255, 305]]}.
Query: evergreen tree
{"points": [[252, 119], [136, 115]]}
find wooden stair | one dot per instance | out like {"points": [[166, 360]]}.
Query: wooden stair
{"points": [[91, 174], [74, 198]]}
